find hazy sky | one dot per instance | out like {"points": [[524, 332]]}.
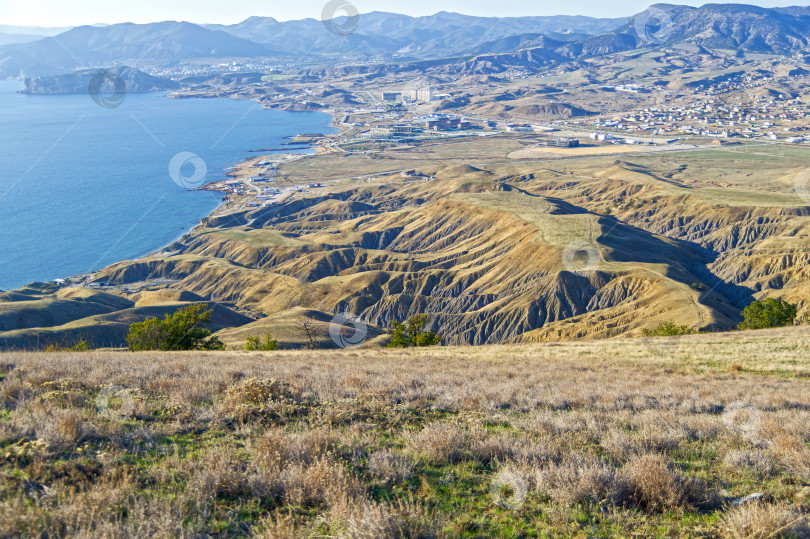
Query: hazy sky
{"points": [[77, 12]]}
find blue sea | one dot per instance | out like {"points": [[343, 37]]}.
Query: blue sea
{"points": [[83, 186]]}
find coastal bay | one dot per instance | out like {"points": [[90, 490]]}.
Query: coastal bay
{"points": [[83, 186]]}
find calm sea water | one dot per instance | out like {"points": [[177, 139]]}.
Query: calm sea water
{"points": [[82, 186]]}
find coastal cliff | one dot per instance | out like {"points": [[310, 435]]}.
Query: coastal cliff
{"points": [[80, 82]]}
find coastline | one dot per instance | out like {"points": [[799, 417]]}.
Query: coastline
{"points": [[87, 234], [239, 167], [239, 170], [214, 186]]}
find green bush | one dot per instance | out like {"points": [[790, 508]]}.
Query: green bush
{"points": [[255, 344], [768, 313], [82, 345], [412, 333], [668, 329], [186, 329]]}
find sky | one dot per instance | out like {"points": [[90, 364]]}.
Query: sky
{"points": [[77, 12]]}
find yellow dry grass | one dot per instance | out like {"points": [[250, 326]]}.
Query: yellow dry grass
{"points": [[622, 437], [582, 151]]}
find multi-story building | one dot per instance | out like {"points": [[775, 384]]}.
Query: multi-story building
{"points": [[562, 142], [423, 94]]}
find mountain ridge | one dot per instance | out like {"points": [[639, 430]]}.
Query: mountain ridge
{"points": [[87, 47], [382, 37]]}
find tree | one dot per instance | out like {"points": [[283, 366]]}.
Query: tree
{"points": [[412, 333], [768, 313], [185, 329], [307, 328], [82, 345], [668, 329], [255, 344]]}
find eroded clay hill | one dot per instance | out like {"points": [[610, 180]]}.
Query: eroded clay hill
{"points": [[513, 252], [41, 315], [483, 252]]}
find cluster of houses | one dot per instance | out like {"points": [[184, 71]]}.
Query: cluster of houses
{"points": [[761, 118]]}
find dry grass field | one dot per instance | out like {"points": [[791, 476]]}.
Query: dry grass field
{"points": [[648, 438], [582, 151]]}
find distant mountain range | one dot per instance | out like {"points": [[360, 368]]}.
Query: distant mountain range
{"points": [[379, 34], [10, 35], [388, 37], [733, 26], [730, 27], [40, 31], [440, 35], [141, 45], [11, 39]]}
